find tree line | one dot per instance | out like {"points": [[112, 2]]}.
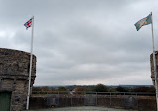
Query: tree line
{"points": [[94, 88]]}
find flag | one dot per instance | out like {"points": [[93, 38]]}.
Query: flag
{"points": [[28, 23], [145, 21]]}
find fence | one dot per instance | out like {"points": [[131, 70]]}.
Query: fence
{"points": [[128, 100], [97, 93]]}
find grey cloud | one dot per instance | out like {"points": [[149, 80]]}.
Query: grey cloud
{"points": [[82, 42]]}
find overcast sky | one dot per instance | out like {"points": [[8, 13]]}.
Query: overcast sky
{"points": [[83, 42]]}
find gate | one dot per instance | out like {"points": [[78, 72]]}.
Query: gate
{"points": [[90, 100], [130, 102], [5, 99], [52, 100]]}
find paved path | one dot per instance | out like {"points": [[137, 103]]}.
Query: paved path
{"points": [[83, 108]]}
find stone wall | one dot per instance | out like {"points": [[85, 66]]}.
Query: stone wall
{"points": [[14, 72], [141, 103], [152, 66]]}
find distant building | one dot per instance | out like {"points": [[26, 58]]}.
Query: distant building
{"points": [[77, 90]]}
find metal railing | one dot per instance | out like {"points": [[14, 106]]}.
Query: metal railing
{"points": [[97, 93], [108, 99]]}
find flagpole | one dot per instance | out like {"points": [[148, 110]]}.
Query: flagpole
{"points": [[30, 71], [154, 62]]}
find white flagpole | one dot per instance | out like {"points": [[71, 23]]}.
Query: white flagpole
{"points": [[154, 62], [28, 96]]}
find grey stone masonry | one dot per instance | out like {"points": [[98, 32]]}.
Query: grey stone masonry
{"points": [[14, 73], [152, 66]]}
